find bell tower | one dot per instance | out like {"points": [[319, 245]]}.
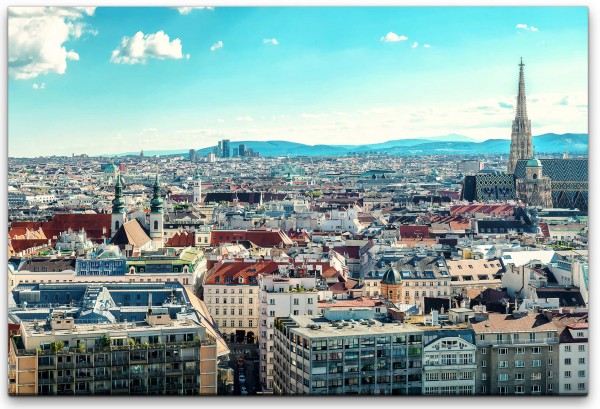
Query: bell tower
{"points": [[118, 216], [197, 188], [156, 217]]}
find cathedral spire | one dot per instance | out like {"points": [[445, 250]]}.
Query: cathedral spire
{"points": [[521, 99], [520, 144], [118, 203]]}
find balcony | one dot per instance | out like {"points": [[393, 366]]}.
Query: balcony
{"points": [[138, 390], [138, 375], [102, 376], [120, 375], [62, 365], [64, 379], [120, 391], [192, 371], [46, 381], [191, 385]]}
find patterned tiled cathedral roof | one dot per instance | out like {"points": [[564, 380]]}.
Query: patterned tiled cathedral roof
{"points": [[559, 169]]}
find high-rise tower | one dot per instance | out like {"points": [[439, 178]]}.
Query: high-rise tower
{"points": [[520, 140]]}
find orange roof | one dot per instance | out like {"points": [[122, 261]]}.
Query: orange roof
{"points": [[183, 239]]}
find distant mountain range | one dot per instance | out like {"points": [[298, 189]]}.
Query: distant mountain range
{"points": [[448, 144]]}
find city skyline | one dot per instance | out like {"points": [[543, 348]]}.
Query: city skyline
{"points": [[358, 74]]}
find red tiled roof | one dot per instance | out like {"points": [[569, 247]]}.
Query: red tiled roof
{"points": [[545, 230], [239, 269], [183, 239], [412, 231], [95, 225], [22, 245]]}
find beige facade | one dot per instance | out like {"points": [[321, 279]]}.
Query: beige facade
{"points": [[234, 308]]}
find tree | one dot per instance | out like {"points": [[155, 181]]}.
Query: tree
{"points": [[105, 341], [57, 346]]}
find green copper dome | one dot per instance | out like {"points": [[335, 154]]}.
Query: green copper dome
{"points": [[533, 163], [391, 276], [156, 204]]}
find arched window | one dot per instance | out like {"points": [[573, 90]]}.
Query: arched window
{"points": [[116, 225], [155, 224], [535, 176]]}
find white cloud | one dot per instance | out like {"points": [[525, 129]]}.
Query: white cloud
{"points": [[36, 37], [414, 45], [526, 27], [220, 120], [305, 115], [39, 86], [272, 41], [216, 46], [188, 10], [426, 46], [141, 47], [245, 118], [393, 38]]}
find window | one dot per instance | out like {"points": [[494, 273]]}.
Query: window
{"points": [[250, 323], [482, 337], [536, 350], [567, 386], [536, 376], [483, 376], [483, 364], [581, 374], [241, 312], [250, 301], [310, 301], [581, 361], [240, 300], [519, 364], [532, 336], [550, 348], [250, 312], [232, 323], [502, 390], [296, 312], [502, 364], [241, 323], [567, 374], [271, 313], [233, 311], [550, 374], [550, 361], [216, 311], [536, 388], [567, 348], [520, 351], [567, 361], [536, 363], [483, 351], [519, 377], [581, 348], [581, 386], [503, 377], [502, 351], [519, 390]]}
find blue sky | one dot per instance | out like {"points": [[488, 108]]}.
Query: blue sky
{"points": [[82, 81]]}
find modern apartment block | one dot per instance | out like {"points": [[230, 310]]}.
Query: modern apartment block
{"points": [[449, 365], [573, 355], [284, 294], [517, 354], [346, 352], [99, 343]]}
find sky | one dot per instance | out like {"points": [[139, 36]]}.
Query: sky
{"points": [[109, 80]]}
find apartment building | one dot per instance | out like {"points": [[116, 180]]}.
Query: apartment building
{"points": [[573, 355], [345, 353], [97, 342], [290, 293], [517, 354], [231, 295], [472, 273], [449, 365]]}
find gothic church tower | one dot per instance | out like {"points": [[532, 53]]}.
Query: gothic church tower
{"points": [[520, 140]]}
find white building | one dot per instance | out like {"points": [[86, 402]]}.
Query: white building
{"points": [[281, 295], [449, 366], [573, 353]]}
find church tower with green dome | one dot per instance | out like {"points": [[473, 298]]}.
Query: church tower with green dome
{"points": [[118, 216], [535, 189], [156, 217]]}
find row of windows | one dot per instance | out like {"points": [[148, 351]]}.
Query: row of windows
{"points": [[504, 364], [518, 351], [240, 291], [568, 361], [240, 311], [232, 322], [231, 300], [503, 377], [580, 386], [580, 348], [580, 374]]}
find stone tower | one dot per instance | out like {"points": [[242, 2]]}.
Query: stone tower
{"points": [[520, 140], [118, 209], [535, 189], [197, 188], [156, 217]]}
